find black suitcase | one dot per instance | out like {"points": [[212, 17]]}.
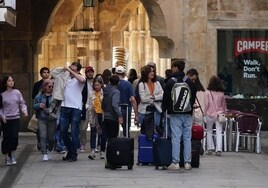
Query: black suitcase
{"points": [[196, 148], [162, 153], [120, 151], [162, 150]]}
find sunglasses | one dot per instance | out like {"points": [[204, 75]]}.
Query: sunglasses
{"points": [[50, 87]]}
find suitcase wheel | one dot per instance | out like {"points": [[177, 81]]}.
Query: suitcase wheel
{"points": [[130, 167], [110, 166], [143, 164], [164, 167]]}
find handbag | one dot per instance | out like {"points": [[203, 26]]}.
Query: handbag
{"points": [[198, 113], [33, 124], [197, 132], [221, 116]]}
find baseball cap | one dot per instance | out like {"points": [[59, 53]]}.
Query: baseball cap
{"points": [[120, 69], [89, 68]]}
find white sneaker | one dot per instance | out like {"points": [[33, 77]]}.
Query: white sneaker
{"points": [[102, 155], [187, 166], [82, 148], [13, 160], [49, 155], [8, 161], [92, 155], [173, 166], [45, 157]]}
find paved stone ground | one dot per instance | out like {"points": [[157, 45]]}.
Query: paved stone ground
{"points": [[242, 169]]}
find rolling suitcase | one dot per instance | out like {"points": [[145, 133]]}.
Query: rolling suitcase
{"points": [[162, 150], [145, 150], [120, 151], [196, 147]]}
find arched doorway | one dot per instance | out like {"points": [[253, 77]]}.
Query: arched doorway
{"points": [[89, 34]]}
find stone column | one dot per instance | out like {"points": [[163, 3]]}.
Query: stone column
{"points": [[134, 49], [141, 50], [148, 48], [93, 49], [127, 45]]}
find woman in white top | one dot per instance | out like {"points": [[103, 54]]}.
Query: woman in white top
{"points": [[151, 93]]}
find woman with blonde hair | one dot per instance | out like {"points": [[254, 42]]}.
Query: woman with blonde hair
{"points": [[46, 123]]}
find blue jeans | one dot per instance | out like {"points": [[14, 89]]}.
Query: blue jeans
{"points": [[70, 116], [59, 142], [181, 127]]}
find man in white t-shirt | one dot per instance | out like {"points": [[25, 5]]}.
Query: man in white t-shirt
{"points": [[71, 108]]}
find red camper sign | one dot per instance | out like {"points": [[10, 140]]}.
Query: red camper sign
{"points": [[246, 45]]}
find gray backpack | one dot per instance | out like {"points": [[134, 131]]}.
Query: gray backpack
{"points": [[181, 96]]}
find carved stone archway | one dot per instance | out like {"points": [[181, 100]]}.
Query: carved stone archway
{"points": [[56, 47]]}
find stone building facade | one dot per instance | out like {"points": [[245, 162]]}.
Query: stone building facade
{"points": [[53, 32]]}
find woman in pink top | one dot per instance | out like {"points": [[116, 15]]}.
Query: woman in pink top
{"points": [[13, 105], [214, 104]]}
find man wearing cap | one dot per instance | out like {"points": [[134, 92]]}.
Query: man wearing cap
{"points": [[87, 91], [127, 96]]}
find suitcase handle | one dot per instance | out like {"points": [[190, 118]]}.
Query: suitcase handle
{"points": [[166, 123], [124, 105]]}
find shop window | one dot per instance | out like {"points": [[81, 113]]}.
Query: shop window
{"points": [[243, 62]]}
